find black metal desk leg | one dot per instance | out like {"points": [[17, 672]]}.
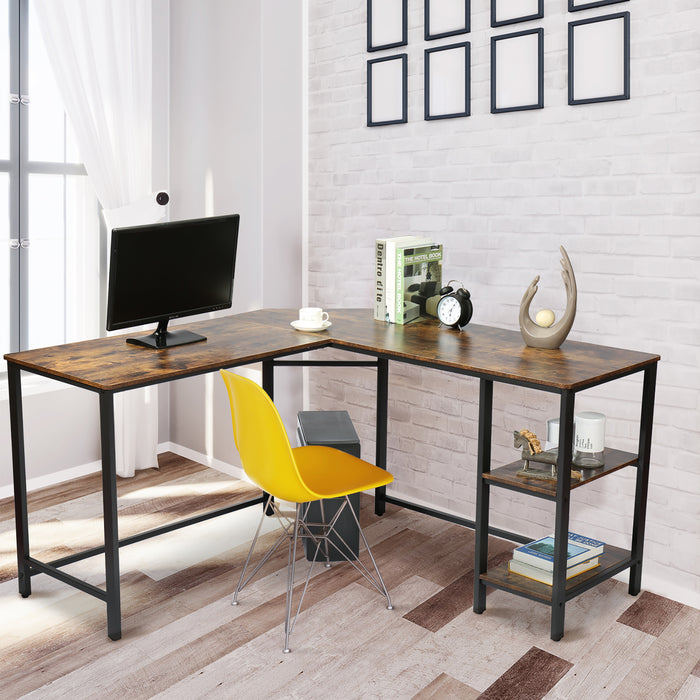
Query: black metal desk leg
{"points": [[561, 524], [481, 551], [19, 477], [109, 510], [642, 487], [382, 427], [268, 384]]}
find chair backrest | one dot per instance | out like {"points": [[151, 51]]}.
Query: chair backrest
{"points": [[262, 441]]}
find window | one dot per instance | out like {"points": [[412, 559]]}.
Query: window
{"points": [[49, 216]]}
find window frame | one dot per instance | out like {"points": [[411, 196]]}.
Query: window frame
{"points": [[19, 168]]}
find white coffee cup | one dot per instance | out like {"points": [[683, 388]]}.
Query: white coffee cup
{"points": [[313, 316]]}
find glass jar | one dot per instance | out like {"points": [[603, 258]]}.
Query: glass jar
{"points": [[589, 440]]}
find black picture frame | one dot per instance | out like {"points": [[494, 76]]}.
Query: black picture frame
{"points": [[436, 27], [514, 19], [499, 105], [581, 92], [437, 73], [575, 6], [379, 14], [389, 82]]}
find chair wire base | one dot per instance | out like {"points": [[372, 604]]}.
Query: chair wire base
{"points": [[298, 528]]}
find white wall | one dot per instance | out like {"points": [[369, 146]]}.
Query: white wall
{"points": [[616, 183], [236, 146], [50, 414]]}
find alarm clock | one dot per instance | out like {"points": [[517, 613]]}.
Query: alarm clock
{"points": [[455, 307]]}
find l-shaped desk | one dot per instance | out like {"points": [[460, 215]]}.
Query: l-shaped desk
{"points": [[108, 366]]}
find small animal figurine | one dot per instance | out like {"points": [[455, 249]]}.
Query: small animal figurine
{"points": [[532, 452]]}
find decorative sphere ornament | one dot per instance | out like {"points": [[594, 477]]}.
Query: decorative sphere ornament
{"points": [[538, 336], [545, 318]]}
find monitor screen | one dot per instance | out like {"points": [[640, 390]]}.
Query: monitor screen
{"points": [[168, 270]]}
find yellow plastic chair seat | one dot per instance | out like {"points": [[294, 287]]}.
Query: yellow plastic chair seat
{"points": [[330, 473], [299, 474]]}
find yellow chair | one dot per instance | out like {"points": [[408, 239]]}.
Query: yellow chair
{"points": [[299, 475]]}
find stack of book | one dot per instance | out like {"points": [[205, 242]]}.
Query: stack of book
{"points": [[536, 560], [408, 278]]}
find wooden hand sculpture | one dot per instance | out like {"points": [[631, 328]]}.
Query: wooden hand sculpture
{"points": [[552, 337]]}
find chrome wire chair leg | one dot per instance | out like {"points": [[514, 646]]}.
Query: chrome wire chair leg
{"points": [[243, 581], [298, 529], [324, 532], [314, 538], [301, 530], [288, 624], [379, 583], [346, 551]]}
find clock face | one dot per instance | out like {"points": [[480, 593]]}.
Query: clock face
{"points": [[449, 310]]}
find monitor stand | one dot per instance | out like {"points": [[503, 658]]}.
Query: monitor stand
{"points": [[163, 338]]}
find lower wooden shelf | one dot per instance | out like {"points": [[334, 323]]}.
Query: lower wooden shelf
{"points": [[612, 562]]}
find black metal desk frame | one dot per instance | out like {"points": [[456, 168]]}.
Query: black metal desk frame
{"points": [[29, 566]]}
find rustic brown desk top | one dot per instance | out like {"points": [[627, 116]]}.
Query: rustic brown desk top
{"points": [[110, 364]]}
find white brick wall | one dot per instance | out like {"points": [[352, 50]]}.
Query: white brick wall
{"points": [[618, 184]]}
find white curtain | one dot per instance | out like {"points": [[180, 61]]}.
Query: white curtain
{"points": [[101, 52]]}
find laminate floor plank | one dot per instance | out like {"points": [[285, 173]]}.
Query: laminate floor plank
{"points": [[330, 660], [78, 524], [145, 605], [182, 488], [92, 483], [530, 678], [690, 690], [668, 662], [588, 618], [454, 598], [445, 686], [166, 639], [598, 672], [477, 649], [650, 613], [388, 671], [258, 620]]}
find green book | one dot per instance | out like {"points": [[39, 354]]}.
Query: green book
{"points": [[418, 278], [391, 246]]}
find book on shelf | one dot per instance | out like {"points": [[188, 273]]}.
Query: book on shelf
{"points": [[390, 247], [418, 280], [540, 553], [545, 576]]}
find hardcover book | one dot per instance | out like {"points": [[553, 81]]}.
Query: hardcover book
{"points": [[382, 273], [380, 279], [391, 245], [544, 576], [540, 553], [418, 280]]}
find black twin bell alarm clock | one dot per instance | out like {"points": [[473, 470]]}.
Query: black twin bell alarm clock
{"points": [[455, 307]]}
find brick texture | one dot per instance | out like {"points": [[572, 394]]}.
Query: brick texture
{"points": [[617, 183]]}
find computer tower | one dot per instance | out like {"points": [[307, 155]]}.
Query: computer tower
{"points": [[333, 429]]}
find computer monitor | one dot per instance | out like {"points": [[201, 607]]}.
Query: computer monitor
{"points": [[169, 270]]}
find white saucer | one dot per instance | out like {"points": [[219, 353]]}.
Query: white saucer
{"points": [[307, 328]]}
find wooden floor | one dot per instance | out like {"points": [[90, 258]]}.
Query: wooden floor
{"points": [[183, 639]]}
